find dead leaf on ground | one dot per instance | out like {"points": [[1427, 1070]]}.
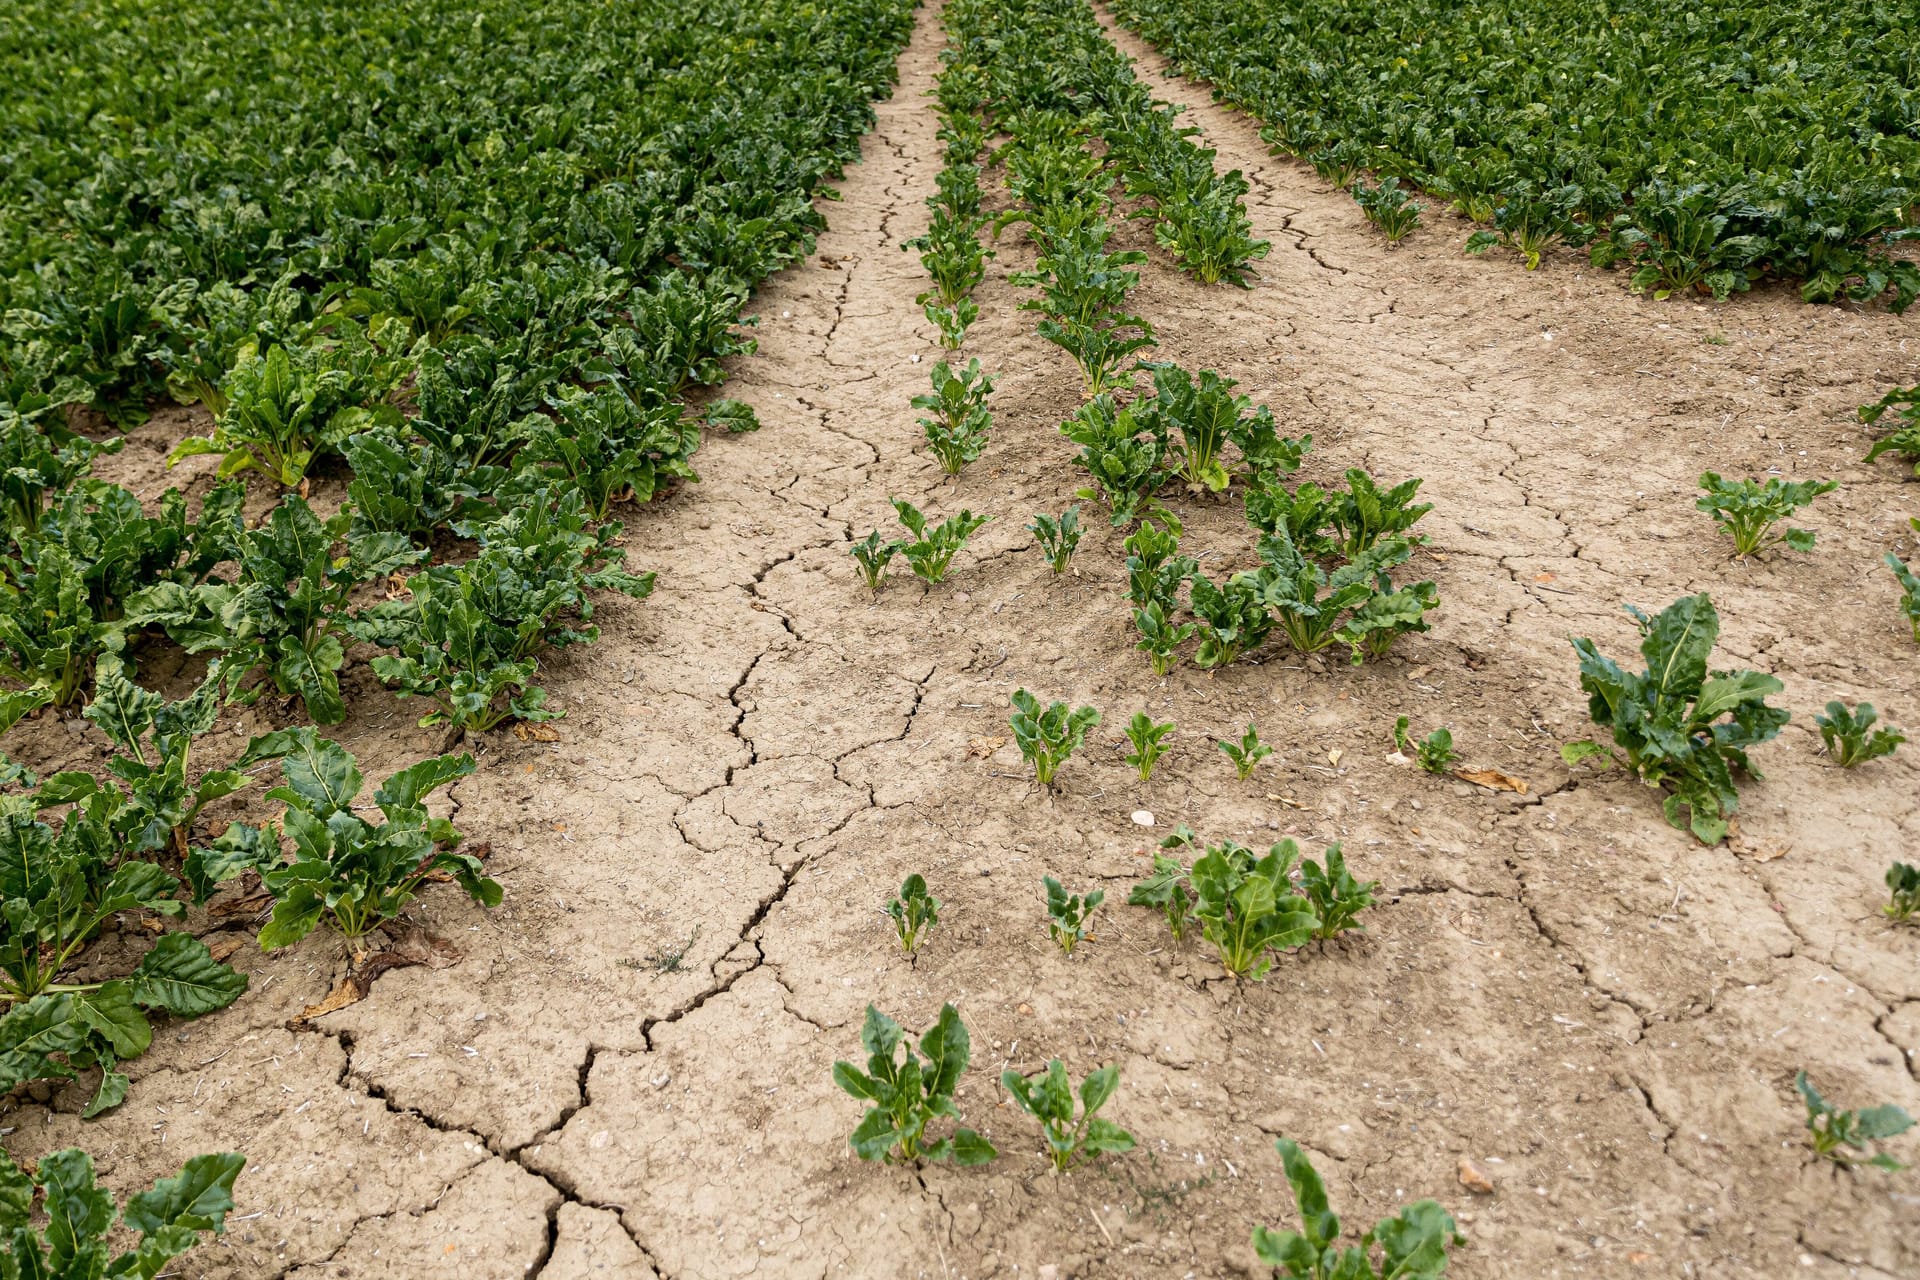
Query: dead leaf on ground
{"points": [[412, 947], [221, 948], [535, 732], [1474, 1178], [1492, 780], [241, 906], [979, 748], [1288, 801]]}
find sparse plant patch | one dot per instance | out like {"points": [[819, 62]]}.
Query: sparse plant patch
{"points": [[73, 1244], [1904, 439]]}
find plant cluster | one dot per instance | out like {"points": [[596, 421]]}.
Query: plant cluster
{"points": [[1625, 134], [958, 418], [1850, 736], [1047, 735], [1413, 1244], [1747, 510], [1904, 439]]}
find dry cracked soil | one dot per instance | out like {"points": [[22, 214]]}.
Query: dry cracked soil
{"points": [[623, 1071]]}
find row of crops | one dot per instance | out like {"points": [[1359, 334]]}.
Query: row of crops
{"points": [[1708, 146], [464, 262]]}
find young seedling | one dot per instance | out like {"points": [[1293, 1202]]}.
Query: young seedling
{"points": [[1850, 736], [1903, 892], [1233, 618], [1049, 1099], [1434, 753], [1047, 737], [81, 1218], [1148, 741], [1069, 915], [930, 551], [1160, 639], [1388, 208], [952, 322], [1845, 1137], [1365, 513], [1336, 896], [957, 428], [1246, 906], [907, 1094], [1666, 721], [1168, 889], [914, 913], [1059, 537], [1246, 753], [872, 555], [1909, 592], [1748, 510], [1905, 440], [1413, 1245]]}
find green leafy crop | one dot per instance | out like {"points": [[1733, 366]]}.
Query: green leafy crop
{"points": [[1169, 890], [1070, 915], [1246, 753], [1148, 740], [1909, 592], [931, 551], [1388, 207], [1413, 1244], [958, 418], [1233, 618], [1160, 639], [1364, 513], [907, 1093], [1049, 1099], [1434, 753], [1903, 892], [1747, 510], [1847, 1137], [1246, 906], [347, 869], [1125, 460], [1667, 721], [1058, 537], [914, 913], [1206, 416], [1336, 896], [1047, 736], [1904, 439], [81, 1217], [1850, 737], [872, 554]]}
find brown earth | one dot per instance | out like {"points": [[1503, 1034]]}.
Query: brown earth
{"points": [[626, 1072]]}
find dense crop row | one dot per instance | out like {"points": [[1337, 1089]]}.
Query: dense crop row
{"points": [[470, 259], [1703, 147]]}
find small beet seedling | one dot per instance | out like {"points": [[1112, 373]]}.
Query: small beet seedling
{"points": [[1748, 510], [1246, 753], [1336, 896], [1049, 1099], [1909, 592], [931, 551], [958, 418], [907, 1094], [1387, 207], [1168, 890], [873, 555], [1850, 736], [952, 322], [914, 913], [1149, 742], [1160, 639], [1059, 537], [1903, 892], [1434, 753], [1246, 906], [1047, 737], [1846, 1137], [1069, 915], [1413, 1244]]}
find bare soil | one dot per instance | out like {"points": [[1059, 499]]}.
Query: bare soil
{"points": [[624, 1072]]}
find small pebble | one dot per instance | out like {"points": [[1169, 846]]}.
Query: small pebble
{"points": [[1142, 818]]}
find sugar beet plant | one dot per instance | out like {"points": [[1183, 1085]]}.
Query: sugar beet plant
{"points": [[1057, 536], [1434, 753], [1246, 753], [1047, 735], [1747, 510], [84, 1227], [1849, 1137], [1148, 740], [908, 1092], [1678, 726], [1071, 1138], [1850, 736], [931, 549], [958, 419], [1412, 1245], [1909, 592], [1904, 439], [1070, 915], [914, 913], [1903, 892]]}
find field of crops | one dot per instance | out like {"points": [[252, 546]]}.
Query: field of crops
{"points": [[858, 638]]}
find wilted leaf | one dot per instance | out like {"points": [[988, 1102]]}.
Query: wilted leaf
{"points": [[1492, 779]]}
